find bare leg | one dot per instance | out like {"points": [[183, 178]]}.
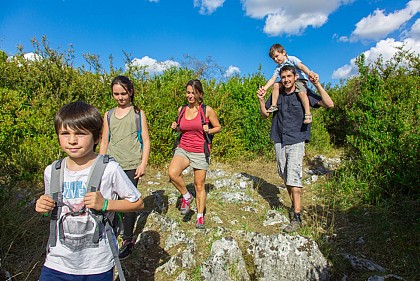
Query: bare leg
{"points": [[294, 194], [275, 94], [306, 107], [295, 221], [178, 164], [200, 199]]}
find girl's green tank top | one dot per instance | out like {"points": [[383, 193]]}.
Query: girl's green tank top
{"points": [[124, 145]]}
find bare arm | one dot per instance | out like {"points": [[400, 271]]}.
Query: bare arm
{"points": [[214, 121], [124, 205], [141, 169], [105, 135], [326, 100], [305, 69], [263, 110], [174, 125], [269, 83], [95, 200]]}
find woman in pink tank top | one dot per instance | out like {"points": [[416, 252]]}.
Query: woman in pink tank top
{"points": [[195, 121]]}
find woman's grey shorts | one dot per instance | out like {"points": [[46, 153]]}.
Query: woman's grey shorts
{"points": [[197, 160], [289, 162]]}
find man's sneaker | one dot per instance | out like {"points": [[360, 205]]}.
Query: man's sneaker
{"points": [[272, 109], [291, 213], [185, 205], [294, 225], [126, 249], [199, 224]]}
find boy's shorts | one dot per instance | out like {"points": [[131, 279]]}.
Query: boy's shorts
{"points": [[289, 162], [197, 160], [48, 274], [301, 86]]}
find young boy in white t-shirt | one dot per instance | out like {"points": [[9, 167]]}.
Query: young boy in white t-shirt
{"points": [[75, 255]]}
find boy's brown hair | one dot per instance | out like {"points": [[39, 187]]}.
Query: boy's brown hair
{"points": [[274, 48], [79, 116]]}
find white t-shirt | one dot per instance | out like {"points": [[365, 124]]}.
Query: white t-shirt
{"points": [[78, 254]]}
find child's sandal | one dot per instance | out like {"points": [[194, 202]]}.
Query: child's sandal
{"points": [[308, 119], [272, 109]]}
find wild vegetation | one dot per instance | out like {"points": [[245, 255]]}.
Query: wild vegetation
{"points": [[375, 126]]}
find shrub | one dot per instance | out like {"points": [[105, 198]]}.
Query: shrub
{"points": [[381, 127]]}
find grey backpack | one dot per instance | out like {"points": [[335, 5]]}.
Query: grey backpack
{"points": [[102, 218]]}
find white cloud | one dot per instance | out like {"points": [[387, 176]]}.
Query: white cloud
{"points": [[232, 70], [378, 25], [291, 17], [207, 7], [415, 31], [32, 57], [154, 1], [277, 24], [153, 66], [345, 71], [384, 48], [28, 57]]}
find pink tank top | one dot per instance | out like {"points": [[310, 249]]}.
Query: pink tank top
{"points": [[192, 138]]}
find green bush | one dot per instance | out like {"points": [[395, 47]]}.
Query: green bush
{"points": [[379, 120], [34, 90]]}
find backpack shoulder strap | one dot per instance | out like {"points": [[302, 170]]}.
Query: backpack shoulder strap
{"points": [[138, 126], [56, 185], [177, 120], [95, 174], [203, 114], [94, 182], [108, 119], [56, 179], [181, 113]]}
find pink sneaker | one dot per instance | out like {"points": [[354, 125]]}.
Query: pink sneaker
{"points": [[199, 224], [185, 205]]}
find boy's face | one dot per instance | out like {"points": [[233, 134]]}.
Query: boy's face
{"points": [[279, 57], [78, 144], [121, 95]]}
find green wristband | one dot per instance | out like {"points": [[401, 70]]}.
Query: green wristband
{"points": [[105, 205]]}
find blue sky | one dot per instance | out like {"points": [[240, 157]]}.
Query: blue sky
{"points": [[327, 35]]}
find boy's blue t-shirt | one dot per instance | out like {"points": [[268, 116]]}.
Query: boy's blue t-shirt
{"points": [[292, 61]]}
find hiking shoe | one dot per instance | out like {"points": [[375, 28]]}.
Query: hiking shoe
{"points": [[293, 226], [272, 109], [291, 213], [126, 249], [199, 224], [185, 205]]}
